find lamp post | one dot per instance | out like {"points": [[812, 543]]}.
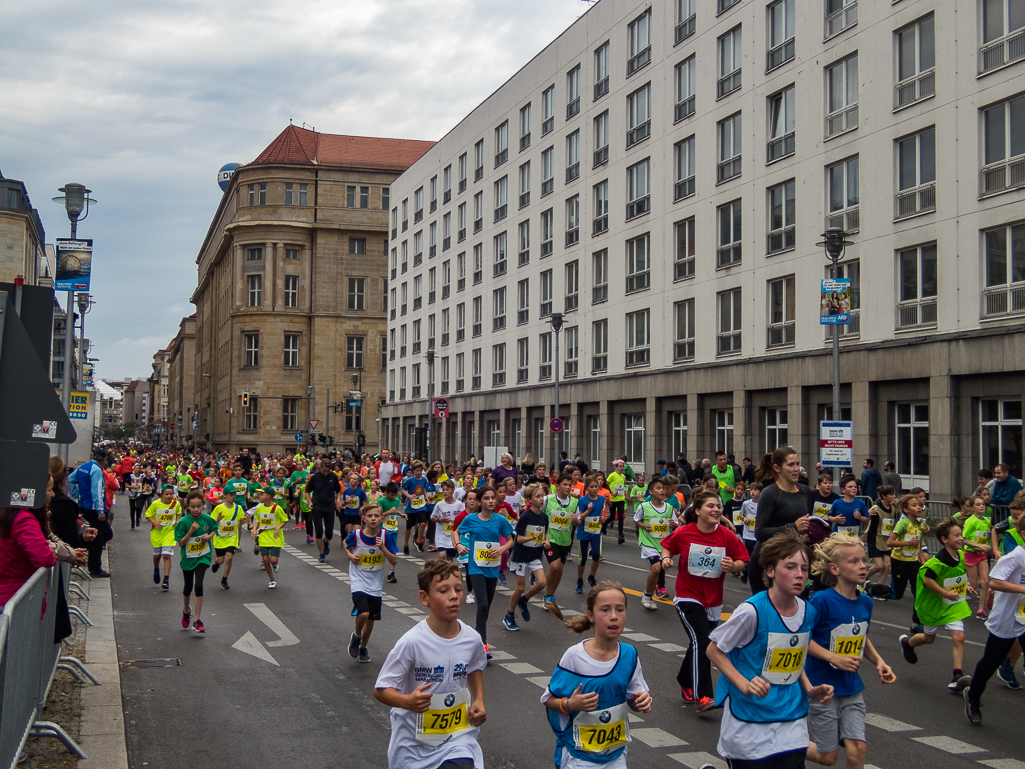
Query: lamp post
{"points": [[835, 245], [85, 304], [209, 413], [556, 320], [430, 402]]}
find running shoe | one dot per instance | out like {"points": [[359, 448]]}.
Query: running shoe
{"points": [[959, 683], [405, 550], [510, 622], [487, 651], [647, 603], [981, 614], [275, 567], [525, 610], [156, 576], [1006, 674], [327, 546], [224, 583], [354, 646], [321, 559], [186, 619], [420, 545], [470, 598], [592, 581], [273, 584], [905, 647], [256, 549], [214, 569], [743, 577], [687, 694], [198, 626], [972, 709], [704, 705], [661, 592], [391, 577], [580, 586], [432, 549], [165, 585], [502, 579], [551, 606], [309, 540], [297, 527], [364, 654], [621, 540]]}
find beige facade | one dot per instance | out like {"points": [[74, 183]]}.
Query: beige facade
{"points": [[292, 291], [22, 240], [182, 406]]}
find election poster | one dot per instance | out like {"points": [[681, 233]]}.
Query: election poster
{"points": [[74, 264], [835, 302]]}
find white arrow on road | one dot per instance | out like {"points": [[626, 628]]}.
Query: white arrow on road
{"points": [[251, 645]]}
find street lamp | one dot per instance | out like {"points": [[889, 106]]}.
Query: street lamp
{"points": [[556, 320], [85, 304], [430, 402], [835, 245]]}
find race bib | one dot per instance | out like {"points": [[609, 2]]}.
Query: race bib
{"points": [[136, 487], [821, 511], [982, 538], [370, 558], [196, 547], [618, 490], [602, 732], [391, 523], [419, 501], [887, 525], [227, 529], [481, 554], [659, 528], [959, 585], [266, 521], [852, 531], [784, 657], [575, 492], [848, 640], [351, 503], [165, 519], [738, 517], [559, 522], [449, 527], [447, 717], [705, 560], [1019, 615], [536, 534], [910, 550], [592, 525]]}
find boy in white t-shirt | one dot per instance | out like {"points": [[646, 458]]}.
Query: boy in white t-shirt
{"points": [[367, 549], [444, 514], [433, 680]]}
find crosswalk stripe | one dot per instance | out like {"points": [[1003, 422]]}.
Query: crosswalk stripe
{"points": [[888, 724], [948, 744]]}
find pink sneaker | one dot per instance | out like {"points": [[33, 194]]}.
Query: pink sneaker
{"points": [[186, 619]]}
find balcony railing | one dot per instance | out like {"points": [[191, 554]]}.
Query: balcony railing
{"points": [[417, 303], [781, 240], [683, 349], [780, 55], [431, 295], [781, 147], [638, 60], [842, 121], [727, 84], [1002, 51], [781, 334], [525, 141], [601, 156], [847, 330], [847, 219], [478, 329], [638, 134], [728, 169], [601, 224], [1003, 300], [921, 312], [1002, 175], [684, 189], [478, 277], [600, 293], [727, 256], [918, 200], [684, 109], [921, 86], [638, 207], [418, 258], [637, 357], [601, 88], [572, 108], [838, 21], [685, 29], [524, 199]]}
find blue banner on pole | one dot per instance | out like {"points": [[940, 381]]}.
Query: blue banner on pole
{"points": [[835, 304]]}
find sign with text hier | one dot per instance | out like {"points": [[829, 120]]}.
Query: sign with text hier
{"points": [[835, 302], [836, 444], [79, 408]]}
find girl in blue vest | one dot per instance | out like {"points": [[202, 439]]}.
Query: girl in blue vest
{"points": [[760, 652], [594, 684]]}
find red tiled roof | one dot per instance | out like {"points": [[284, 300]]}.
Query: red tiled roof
{"points": [[301, 146]]}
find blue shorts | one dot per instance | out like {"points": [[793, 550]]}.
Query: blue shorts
{"points": [[592, 546]]}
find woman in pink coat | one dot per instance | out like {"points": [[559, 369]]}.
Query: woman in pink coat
{"points": [[23, 546]]}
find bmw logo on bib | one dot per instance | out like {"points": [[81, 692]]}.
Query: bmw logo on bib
{"points": [[372, 551], [708, 551], [856, 629], [605, 717], [450, 700], [794, 640]]}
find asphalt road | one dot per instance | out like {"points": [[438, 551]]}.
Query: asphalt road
{"points": [[297, 698]]}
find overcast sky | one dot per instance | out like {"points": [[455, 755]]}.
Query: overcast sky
{"points": [[143, 101]]}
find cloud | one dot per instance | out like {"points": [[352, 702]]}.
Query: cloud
{"points": [[143, 102]]}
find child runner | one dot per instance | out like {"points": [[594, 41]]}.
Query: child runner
{"points": [[839, 641], [760, 653], [444, 516], [391, 506], [560, 507], [652, 519], [942, 601], [434, 496], [588, 519], [848, 514], [710, 552], [163, 514], [1006, 623], [433, 681], [638, 491], [906, 541], [617, 507], [879, 529], [749, 512], [354, 499], [193, 533], [269, 519], [229, 516], [531, 540], [596, 681], [471, 500], [367, 549], [977, 550], [504, 508], [822, 497], [734, 509], [414, 491]]}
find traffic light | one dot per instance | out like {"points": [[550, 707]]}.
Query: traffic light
{"points": [[362, 439], [206, 437], [245, 399]]}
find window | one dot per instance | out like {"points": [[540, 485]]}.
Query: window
{"points": [[405, 214], [263, 194], [478, 316], [638, 263], [686, 76], [252, 350], [524, 127], [547, 171], [683, 257], [402, 386], [730, 242], [633, 430], [384, 352], [1005, 272], [782, 214], [291, 351], [601, 139], [252, 194], [291, 291], [572, 156], [781, 124], [842, 191], [432, 244], [354, 352], [572, 361], [461, 222], [1004, 146], [498, 366], [547, 232], [1003, 34], [475, 368], [600, 346], [462, 172], [415, 380], [478, 159], [545, 356], [601, 71], [918, 285], [729, 321], [523, 230], [418, 248], [350, 196], [498, 306], [364, 197], [683, 348], [723, 421], [638, 189], [461, 271], [446, 278], [501, 198], [444, 326], [478, 212], [842, 96], [403, 338], [572, 92], [1000, 433], [776, 428], [251, 412], [525, 185], [546, 293], [572, 221], [460, 321], [782, 312], [289, 193], [523, 301], [781, 33], [683, 154], [638, 337], [478, 264], [638, 108], [255, 290], [729, 148], [639, 39], [460, 371], [405, 256], [600, 276], [292, 254], [912, 434], [685, 20], [601, 208], [572, 287], [418, 292], [432, 285], [416, 337], [446, 231], [501, 144], [730, 56], [254, 254], [444, 375], [916, 63], [289, 413], [916, 174], [548, 110], [392, 303], [385, 196], [678, 432], [418, 204], [357, 245], [840, 15], [446, 182]]}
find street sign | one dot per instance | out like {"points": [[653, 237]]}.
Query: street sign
{"points": [[314, 423], [555, 425], [298, 437], [836, 444], [355, 403], [441, 408], [316, 432]]}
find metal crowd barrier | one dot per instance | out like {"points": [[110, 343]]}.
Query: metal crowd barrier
{"points": [[29, 659]]}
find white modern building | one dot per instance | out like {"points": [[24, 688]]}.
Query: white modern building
{"points": [[661, 174]]}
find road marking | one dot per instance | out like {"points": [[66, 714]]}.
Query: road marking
{"points": [[654, 737], [499, 656], [699, 759], [1001, 763], [520, 668], [628, 591], [949, 744], [408, 611], [634, 718], [888, 724], [285, 636], [541, 681], [639, 637], [250, 645], [668, 647]]}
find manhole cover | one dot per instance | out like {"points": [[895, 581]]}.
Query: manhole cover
{"points": [[169, 662]]}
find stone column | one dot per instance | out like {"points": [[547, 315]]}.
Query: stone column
{"points": [[653, 430], [607, 434], [861, 415], [578, 442], [270, 285], [742, 429], [798, 426], [697, 436], [240, 288], [944, 478]]}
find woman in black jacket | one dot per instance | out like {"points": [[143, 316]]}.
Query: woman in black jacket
{"points": [[783, 505]]}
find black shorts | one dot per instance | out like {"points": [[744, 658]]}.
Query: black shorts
{"points": [[364, 604], [414, 518], [352, 520], [220, 551], [873, 551], [558, 552]]}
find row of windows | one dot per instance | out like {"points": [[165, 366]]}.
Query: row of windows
{"points": [[290, 415], [354, 347], [356, 296], [296, 194]]}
